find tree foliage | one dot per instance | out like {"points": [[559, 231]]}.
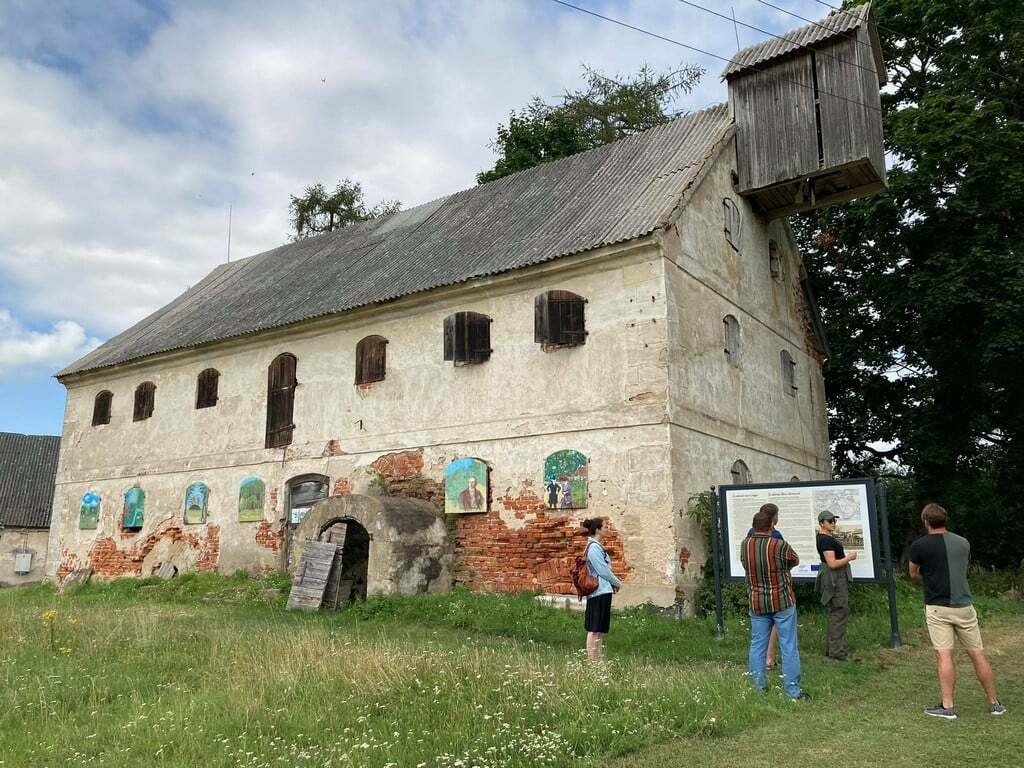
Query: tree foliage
{"points": [[318, 211], [922, 288], [605, 110]]}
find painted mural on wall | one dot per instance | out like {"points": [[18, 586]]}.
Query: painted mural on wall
{"points": [[465, 486], [196, 498], [89, 514], [251, 497], [134, 508], [565, 480]]}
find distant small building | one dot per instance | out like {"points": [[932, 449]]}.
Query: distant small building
{"points": [[28, 471]]}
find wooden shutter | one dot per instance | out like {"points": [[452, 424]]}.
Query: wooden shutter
{"points": [[732, 223], [541, 319], [371, 359], [206, 388], [450, 323], [478, 337], [281, 385], [101, 408], [145, 395], [788, 372], [559, 319]]}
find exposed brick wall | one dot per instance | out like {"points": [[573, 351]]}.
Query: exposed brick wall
{"points": [[268, 538], [333, 448], [399, 466], [492, 556], [106, 559], [343, 487], [209, 552], [69, 563]]}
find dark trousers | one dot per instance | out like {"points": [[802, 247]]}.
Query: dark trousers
{"points": [[838, 613]]}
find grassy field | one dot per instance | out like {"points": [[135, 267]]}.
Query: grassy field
{"points": [[211, 671]]}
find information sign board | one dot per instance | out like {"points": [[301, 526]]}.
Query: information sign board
{"points": [[852, 501]]}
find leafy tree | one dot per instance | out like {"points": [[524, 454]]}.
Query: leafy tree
{"points": [[605, 110], [922, 288], [319, 211]]}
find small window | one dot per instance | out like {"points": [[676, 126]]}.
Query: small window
{"points": [[788, 372], [794, 479], [371, 359], [732, 338], [145, 395], [558, 319], [467, 338], [101, 408], [740, 473], [281, 384], [732, 223], [774, 260], [206, 388]]}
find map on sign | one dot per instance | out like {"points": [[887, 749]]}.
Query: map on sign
{"points": [[852, 501]]}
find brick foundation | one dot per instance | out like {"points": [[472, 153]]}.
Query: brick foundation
{"points": [[492, 556], [106, 559]]}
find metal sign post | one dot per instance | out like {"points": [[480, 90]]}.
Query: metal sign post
{"points": [[894, 622], [717, 561]]}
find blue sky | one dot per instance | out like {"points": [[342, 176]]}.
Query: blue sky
{"points": [[130, 127]]}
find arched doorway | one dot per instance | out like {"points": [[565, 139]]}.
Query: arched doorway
{"points": [[302, 493], [350, 581]]}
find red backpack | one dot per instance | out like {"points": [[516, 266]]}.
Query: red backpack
{"points": [[580, 575]]}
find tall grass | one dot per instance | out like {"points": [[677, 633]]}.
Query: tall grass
{"points": [[211, 671]]}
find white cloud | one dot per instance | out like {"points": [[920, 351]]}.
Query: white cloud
{"points": [[128, 132], [22, 349]]}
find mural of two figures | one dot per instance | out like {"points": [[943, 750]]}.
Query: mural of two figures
{"points": [[565, 483], [565, 480]]}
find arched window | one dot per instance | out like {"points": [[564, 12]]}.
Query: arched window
{"points": [[731, 224], [467, 338], [740, 473], [558, 319], [145, 396], [788, 372], [101, 408], [206, 388], [281, 385], [732, 338], [371, 359], [774, 260], [303, 492], [794, 479]]}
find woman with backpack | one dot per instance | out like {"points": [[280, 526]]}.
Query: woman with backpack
{"points": [[599, 602]]}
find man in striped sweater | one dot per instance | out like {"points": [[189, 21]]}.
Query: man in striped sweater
{"points": [[767, 562]]}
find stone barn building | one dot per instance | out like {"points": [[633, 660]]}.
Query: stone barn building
{"points": [[28, 471], [605, 335]]}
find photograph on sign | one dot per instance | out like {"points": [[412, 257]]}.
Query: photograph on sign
{"points": [[800, 504]]}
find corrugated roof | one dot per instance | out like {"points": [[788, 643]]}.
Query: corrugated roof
{"points": [[28, 473], [607, 195], [836, 24]]}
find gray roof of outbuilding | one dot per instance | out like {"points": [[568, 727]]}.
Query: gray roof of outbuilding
{"points": [[607, 195], [836, 24], [28, 473]]}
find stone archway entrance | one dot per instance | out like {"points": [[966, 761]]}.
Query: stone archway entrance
{"points": [[406, 548]]}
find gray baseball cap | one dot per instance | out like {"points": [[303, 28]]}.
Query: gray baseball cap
{"points": [[826, 515]]}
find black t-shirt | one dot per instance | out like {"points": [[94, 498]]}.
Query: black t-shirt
{"points": [[826, 542], [943, 558]]}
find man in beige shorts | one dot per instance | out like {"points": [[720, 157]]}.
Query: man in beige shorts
{"points": [[940, 560]]}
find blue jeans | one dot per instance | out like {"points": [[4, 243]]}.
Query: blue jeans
{"points": [[760, 629]]}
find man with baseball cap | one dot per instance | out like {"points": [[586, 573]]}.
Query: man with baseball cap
{"points": [[833, 584]]}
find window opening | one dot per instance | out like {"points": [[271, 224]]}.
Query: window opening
{"points": [[732, 338], [467, 338], [740, 473], [788, 372], [145, 395], [281, 384], [206, 388], [732, 223], [101, 408], [774, 260], [558, 319], [371, 359]]}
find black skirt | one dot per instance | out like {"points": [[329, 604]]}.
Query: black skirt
{"points": [[599, 614]]}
